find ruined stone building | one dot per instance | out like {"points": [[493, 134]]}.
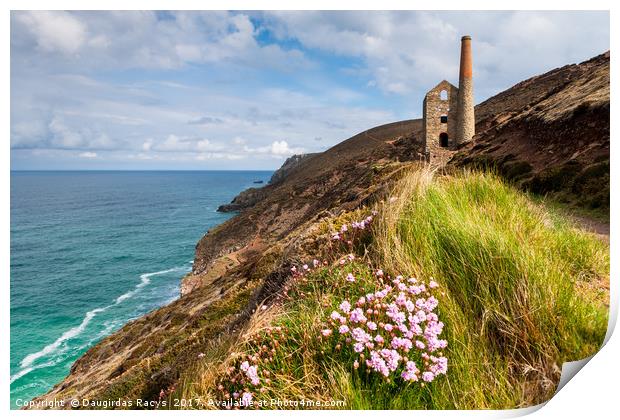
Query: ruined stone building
{"points": [[448, 111]]}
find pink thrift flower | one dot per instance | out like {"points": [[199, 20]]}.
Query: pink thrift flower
{"points": [[345, 306], [431, 303], [410, 306], [411, 366], [360, 335], [428, 376], [343, 329], [252, 374], [246, 398], [409, 376], [350, 278], [326, 333], [357, 315]]}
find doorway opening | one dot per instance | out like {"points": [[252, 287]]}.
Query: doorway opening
{"points": [[443, 139]]}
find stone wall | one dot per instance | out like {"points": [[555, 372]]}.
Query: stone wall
{"points": [[467, 123], [434, 108]]}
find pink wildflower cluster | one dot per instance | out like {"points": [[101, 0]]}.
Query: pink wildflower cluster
{"points": [[394, 330], [304, 269], [347, 231], [245, 378]]}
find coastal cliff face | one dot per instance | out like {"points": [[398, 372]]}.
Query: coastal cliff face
{"points": [[288, 166], [251, 196], [541, 124]]}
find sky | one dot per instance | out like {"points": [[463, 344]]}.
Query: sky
{"points": [[245, 90]]}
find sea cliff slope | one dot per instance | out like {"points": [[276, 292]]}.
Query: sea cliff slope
{"points": [[540, 125]]}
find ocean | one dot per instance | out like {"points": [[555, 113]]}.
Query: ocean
{"points": [[91, 250]]}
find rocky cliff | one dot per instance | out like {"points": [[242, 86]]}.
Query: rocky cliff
{"points": [[289, 165], [251, 196], [550, 134], [543, 123]]}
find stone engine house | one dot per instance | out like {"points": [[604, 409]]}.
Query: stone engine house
{"points": [[439, 115], [448, 111]]}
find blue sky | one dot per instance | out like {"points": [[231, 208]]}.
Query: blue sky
{"points": [[245, 90]]}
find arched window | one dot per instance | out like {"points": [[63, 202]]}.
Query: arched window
{"points": [[443, 95]]}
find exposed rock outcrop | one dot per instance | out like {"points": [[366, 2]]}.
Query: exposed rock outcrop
{"points": [[289, 165], [244, 199], [251, 196]]}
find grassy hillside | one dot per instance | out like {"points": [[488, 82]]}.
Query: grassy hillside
{"points": [[462, 269]]}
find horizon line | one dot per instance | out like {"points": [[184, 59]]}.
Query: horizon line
{"points": [[142, 170]]}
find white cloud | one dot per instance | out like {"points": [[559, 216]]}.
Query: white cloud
{"points": [[146, 146], [63, 137], [406, 52], [88, 155], [281, 148], [54, 31], [143, 39], [174, 143], [205, 87]]}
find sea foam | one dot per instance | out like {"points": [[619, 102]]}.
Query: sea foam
{"points": [[27, 362]]}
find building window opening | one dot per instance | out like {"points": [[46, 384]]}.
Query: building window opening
{"points": [[443, 95], [443, 139], [444, 119]]}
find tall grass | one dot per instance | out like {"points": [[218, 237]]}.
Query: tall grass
{"points": [[512, 270], [514, 305]]}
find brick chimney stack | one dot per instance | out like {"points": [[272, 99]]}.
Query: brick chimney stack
{"points": [[466, 123]]}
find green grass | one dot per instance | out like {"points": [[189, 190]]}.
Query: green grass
{"points": [[513, 271], [570, 210], [521, 296]]}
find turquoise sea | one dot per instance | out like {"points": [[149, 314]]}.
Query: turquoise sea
{"points": [[91, 250]]}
